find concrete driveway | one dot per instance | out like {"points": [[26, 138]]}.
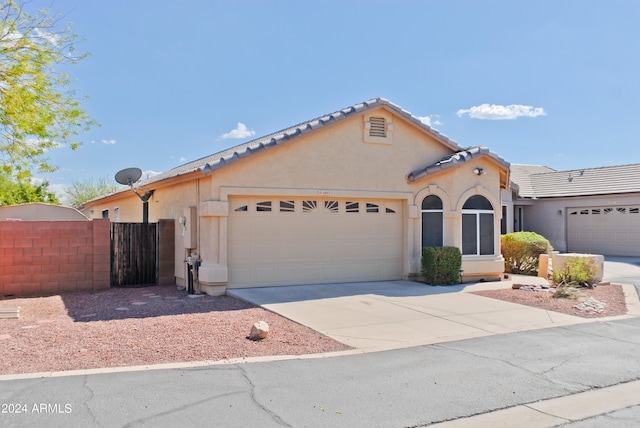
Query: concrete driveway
{"points": [[622, 270], [374, 316]]}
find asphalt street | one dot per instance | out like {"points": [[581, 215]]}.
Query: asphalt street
{"points": [[401, 388], [407, 387]]}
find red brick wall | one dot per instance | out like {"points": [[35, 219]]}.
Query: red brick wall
{"points": [[46, 257]]}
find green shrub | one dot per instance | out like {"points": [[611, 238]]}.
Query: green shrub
{"points": [[522, 250], [576, 271], [441, 265]]}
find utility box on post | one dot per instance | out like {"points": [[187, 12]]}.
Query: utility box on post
{"points": [[189, 228]]}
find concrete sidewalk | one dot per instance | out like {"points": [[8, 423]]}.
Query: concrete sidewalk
{"points": [[375, 316], [593, 406]]}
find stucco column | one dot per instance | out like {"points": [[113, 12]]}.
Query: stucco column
{"points": [[452, 229], [411, 268], [214, 273]]}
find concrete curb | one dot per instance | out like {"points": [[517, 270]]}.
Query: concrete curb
{"points": [[556, 411]]}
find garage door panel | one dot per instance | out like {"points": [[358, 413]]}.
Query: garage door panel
{"points": [[604, 230], [327, 244]]}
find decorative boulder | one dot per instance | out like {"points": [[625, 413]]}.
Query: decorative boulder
{"points": [[259, 331]]}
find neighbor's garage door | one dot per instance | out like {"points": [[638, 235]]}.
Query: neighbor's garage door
{"points": [[613, 231], [285, 241]]}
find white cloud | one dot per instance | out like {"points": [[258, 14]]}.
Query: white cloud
{"points": [[9, 39], [50, 37], [57, 189], [110, 142], [35, 143], [499, 112], [150, 173], [241, 131], [60, 190], [430, 120]]}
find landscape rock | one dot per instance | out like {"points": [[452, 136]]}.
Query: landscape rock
{"points": [[259, 331], [591, 305]]}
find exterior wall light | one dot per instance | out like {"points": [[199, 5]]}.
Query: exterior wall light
{"points": [[479, 171]]}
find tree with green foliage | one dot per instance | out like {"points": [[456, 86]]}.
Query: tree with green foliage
{"points": [[13, 192], [38, 108], [88, 189]]}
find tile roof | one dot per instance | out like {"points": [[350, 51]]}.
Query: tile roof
{"points": [[454, 159], [220, 159], [521, 176], [543, 182]]}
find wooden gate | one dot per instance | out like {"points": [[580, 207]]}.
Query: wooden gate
{"points": [[134, 250]]}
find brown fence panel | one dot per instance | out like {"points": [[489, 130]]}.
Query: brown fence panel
{"points": [[134, 248]]}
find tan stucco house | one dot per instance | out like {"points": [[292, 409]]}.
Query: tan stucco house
{"points": [[38, 211], [350, 196], [590, 210]]}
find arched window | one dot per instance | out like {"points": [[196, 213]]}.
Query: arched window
{"points": [[477, 227], [432, 224]]}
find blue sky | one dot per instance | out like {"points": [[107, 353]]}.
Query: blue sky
{"points": [[541, 82]]}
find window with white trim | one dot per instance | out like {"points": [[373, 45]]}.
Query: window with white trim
{"points": [[372, 208], [477, 227], [309, 206], [287, 206], [264, 206], [331, 206]]}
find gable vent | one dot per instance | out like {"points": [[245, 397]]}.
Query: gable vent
{"points": [[378, 127]]}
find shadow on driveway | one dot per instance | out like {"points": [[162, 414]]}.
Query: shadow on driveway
{"points": [[299, 293]]}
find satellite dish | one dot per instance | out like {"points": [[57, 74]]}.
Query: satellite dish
{"points": [[128, 176]]}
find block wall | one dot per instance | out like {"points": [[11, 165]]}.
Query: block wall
{"points": [[47, 257]]}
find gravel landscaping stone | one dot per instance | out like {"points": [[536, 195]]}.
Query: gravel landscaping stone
{"points": [[87, 330], [610, 300]]}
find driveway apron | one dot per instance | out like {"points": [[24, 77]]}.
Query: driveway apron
{"points": [[373, 316]]}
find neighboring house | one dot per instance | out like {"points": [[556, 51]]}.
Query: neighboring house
{"points": [[349, 196], [38, 211], [591, 210]]}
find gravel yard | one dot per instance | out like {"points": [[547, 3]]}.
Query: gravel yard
{"points": [[601, 301], [139, 326], [159, 324]]}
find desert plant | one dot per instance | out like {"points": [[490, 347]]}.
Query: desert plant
{"points": [[579, 271], [522, 250], [441, 265], [566, 292]]}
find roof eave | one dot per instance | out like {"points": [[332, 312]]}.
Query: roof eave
{"points": [[457, 159]]}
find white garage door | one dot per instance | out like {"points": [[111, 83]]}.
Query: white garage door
{"points": [[287, 241], [613, 231]]}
